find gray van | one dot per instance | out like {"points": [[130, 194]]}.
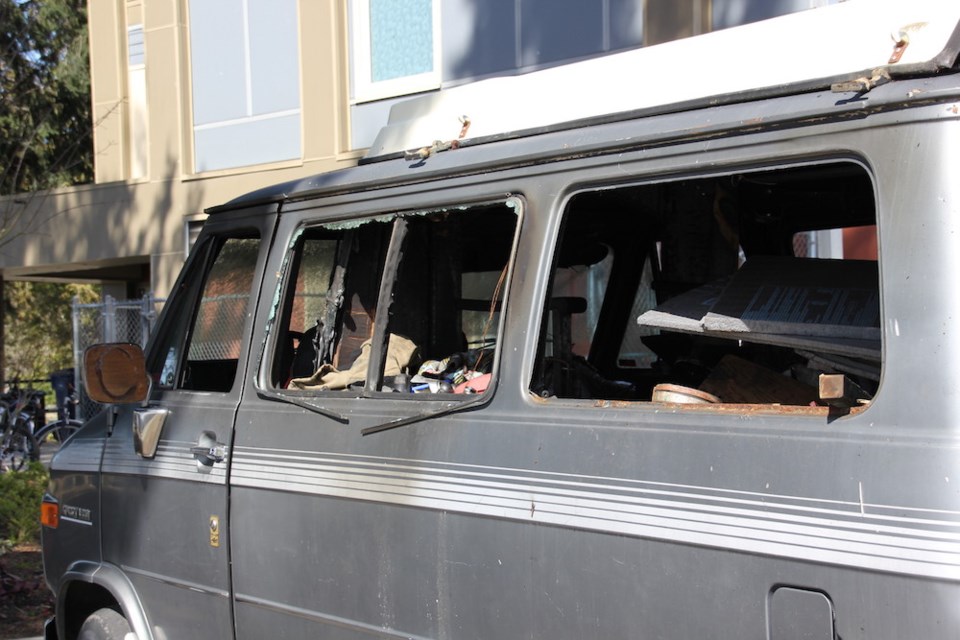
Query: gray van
{"points": [[683, 368]]}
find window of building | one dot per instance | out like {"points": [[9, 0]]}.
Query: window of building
{"points": [[192, 226], [137, 103], [395, 47], [402, 47], [408, 306], [208, 324], [730, 13], [245, 65], [712, 296]]}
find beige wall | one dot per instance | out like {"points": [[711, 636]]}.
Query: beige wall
{"points": [[120, 228], [126, 230]]}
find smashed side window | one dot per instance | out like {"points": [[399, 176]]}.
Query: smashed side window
{"points": [[433, 281], [723, 290], [447, 297], [331, 303]]}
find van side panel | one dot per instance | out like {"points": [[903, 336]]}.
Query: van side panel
{"points": [[533, 517]]}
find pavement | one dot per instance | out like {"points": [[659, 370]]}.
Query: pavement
{"points": [[47, 451]]}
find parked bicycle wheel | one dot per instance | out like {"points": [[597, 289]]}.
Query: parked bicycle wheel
{"points": [[57, 431], [18, 448]]}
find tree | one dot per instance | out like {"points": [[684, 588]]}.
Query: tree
{"points": [[45, 126], [45, 143], [39, 324]]}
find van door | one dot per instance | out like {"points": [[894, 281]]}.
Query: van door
{"points": [[165, 515], [325, 541]]}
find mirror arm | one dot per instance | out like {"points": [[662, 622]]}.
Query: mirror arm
{"points": [[111, 410], [146, 400]]}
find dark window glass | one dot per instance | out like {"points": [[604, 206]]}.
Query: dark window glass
{"points": [[207, 324], [734, 289]]}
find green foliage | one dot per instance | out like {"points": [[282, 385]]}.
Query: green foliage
{"points": [[45, 142], [20, 496], [45, 123], [39, 327]]}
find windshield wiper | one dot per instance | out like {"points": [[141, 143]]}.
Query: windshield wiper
{"points": [[402, 422], [279, 397]]}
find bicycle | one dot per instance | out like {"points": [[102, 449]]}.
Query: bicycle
{"points": [[65, 425], [18, 446]]}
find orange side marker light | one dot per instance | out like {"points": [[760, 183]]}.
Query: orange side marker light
{"points": [[50, 514]]}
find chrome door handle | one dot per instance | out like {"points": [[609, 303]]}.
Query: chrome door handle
{"points": [[210, 455], [208, 451]]}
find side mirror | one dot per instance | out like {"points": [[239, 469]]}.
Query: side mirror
{"points": [[116, 373]]}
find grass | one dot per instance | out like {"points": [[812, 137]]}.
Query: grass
{"points": [[25, 601]]}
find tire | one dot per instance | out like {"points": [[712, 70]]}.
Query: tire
{"points": [[58, 431], [18, 449], [104, 624]]}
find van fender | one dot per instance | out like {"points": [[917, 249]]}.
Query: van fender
{"points": [[114, 581]]}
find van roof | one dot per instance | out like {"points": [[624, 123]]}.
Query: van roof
{"points": [[796, 52]]}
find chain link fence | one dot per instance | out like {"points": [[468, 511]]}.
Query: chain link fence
{"points": [[109, 321]]}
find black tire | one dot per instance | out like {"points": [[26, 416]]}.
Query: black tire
{"points": [[19, 448], [58, 431], [104, 624]]}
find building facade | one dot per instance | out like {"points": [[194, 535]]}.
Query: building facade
{"points": [[198, 101]]}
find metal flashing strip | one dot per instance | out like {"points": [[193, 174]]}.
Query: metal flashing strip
{"points": [[330, 620], [180, 584], [800, 51], [833, 532]]}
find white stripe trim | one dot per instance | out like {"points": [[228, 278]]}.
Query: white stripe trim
{"points": [[173, 461], [834, 532]]}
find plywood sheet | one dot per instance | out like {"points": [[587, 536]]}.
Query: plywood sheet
{"points": [[800, 296]]}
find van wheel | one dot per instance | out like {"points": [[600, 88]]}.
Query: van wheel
{"points": [[104, 624]]}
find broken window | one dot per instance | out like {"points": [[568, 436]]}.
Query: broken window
{"points": [[716, 292], [331, 302], [405, 304]]}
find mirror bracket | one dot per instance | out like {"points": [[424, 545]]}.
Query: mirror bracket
{"points": [[147, 427]]}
